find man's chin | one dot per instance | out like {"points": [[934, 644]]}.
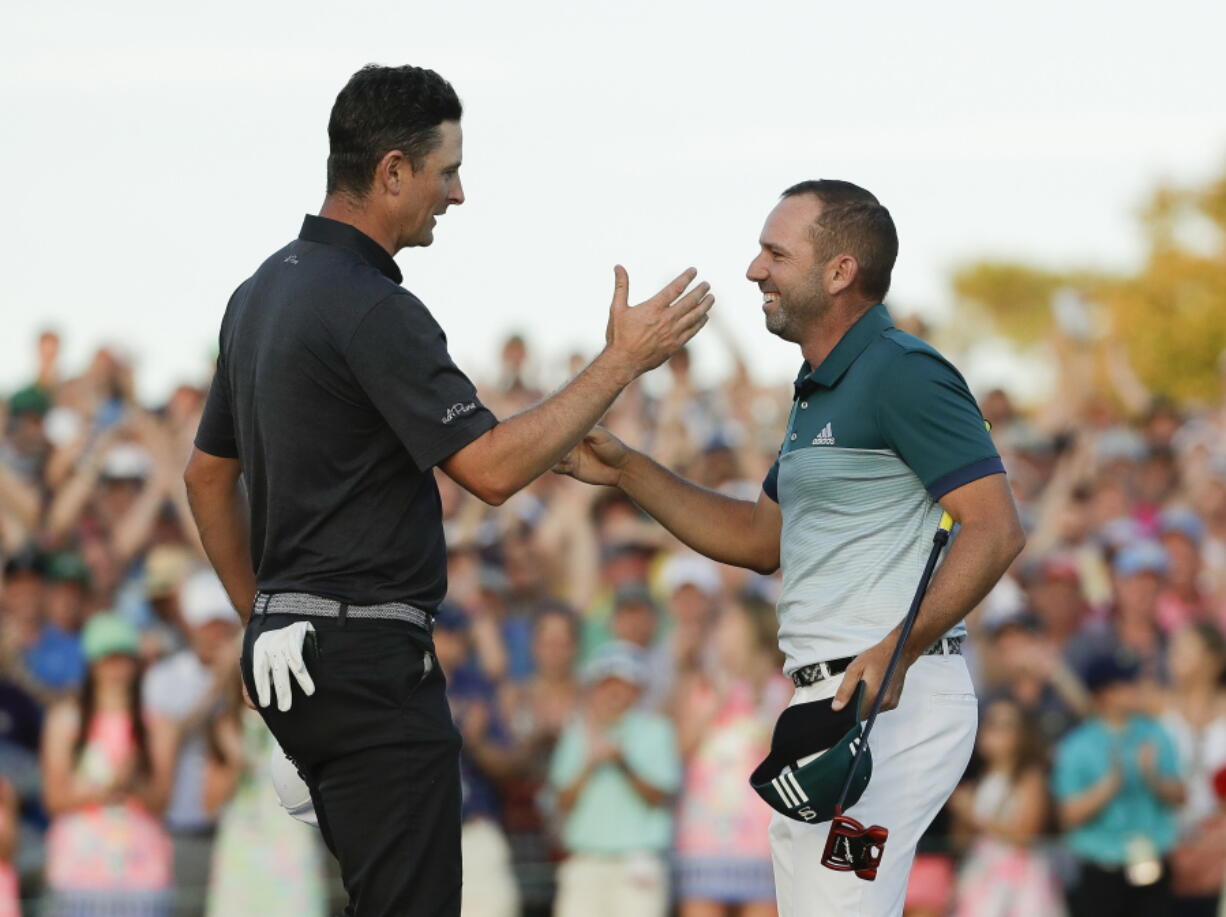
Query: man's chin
{"points": [[781, 329]]}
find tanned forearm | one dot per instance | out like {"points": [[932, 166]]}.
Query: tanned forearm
{"points": [[977, 559], [725, 529], [221, 517], [1079, 809], [1169, 790], [650, 794], [525, 446]]}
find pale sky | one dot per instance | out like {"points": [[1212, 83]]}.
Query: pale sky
{"points": [[155, 153]]}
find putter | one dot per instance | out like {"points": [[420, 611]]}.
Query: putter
{"points": [[850, 846]]}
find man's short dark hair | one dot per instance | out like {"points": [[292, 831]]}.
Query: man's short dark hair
{"points": [[383, 109], [853, 222]]}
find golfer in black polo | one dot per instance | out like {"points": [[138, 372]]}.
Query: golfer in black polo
{"points": [[334, 400]]}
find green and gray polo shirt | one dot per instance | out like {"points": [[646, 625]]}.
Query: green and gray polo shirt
{"points": [[878, 433]]}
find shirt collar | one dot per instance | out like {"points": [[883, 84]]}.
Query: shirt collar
{"points": [[850, 345], [350, 238]]}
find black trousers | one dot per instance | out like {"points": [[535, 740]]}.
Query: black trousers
{"points": [[1106, 893], [377, 747]]}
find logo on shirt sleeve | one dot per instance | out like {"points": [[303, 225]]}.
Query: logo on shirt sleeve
{"points": [[825, 437], [459, 410]]}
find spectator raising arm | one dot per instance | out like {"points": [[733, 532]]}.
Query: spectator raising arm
{"points": [[19, 499]]}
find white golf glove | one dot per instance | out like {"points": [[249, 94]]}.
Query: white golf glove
{"points": [[276, 655]]}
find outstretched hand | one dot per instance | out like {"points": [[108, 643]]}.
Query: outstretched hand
{"points": [[646, 335], [598, 459]]}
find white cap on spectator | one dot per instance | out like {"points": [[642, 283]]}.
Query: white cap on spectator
{"points": [[617, 659], [1005, 601], [1120, 443], [126, 461], [204, 599], [690, 570]]}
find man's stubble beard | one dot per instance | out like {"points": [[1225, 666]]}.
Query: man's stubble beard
{"points": [[794, 314]]}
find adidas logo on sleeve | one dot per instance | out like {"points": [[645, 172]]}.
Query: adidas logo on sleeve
{"points": [[825, 437]]}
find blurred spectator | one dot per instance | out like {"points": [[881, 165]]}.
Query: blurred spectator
{"points": [[106, 774], [1056, 599], [636, 622], [692, 586], [264, 863], [55, 660], [1116, 779], [191, 689], [536, 711], [726, 714], [1139, 571], [615, 771], [1029, 670], [10, 905], [166, 568], [25, 446], [1005, 811], [21, 603], [1196, 719], [485, 759], [1182, 601]]}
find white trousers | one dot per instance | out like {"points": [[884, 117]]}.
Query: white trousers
{"points": [[489, 879], [920, 750], [633, 885]]}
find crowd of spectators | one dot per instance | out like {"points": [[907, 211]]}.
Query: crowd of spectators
{"points": [[613, 690]]}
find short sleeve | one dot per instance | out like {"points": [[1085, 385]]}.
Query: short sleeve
{"points": [[927, 415], [1072, 773], [770, 484], [215, 434], [651, 753], [399, 356]]}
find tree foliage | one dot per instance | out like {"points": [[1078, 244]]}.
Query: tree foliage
{"points": [[1169, 316]]}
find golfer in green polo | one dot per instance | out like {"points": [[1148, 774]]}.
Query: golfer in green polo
{"points": [[883, 436]]}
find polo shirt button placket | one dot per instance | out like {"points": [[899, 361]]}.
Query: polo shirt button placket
{"points": [[793, 436], [803, 405]]}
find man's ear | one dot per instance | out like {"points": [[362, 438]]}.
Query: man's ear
{"points": [[841, 273], [393, 172]]}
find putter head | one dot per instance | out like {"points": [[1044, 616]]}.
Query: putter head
{"points": [[851, 847]]}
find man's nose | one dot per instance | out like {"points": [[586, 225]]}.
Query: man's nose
{"points": [[457, 194], [756, 272]]}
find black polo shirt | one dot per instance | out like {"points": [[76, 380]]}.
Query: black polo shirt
{"points": [[335, 391]]}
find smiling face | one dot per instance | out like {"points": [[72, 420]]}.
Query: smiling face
{"points": [[787, 270], [422, 195]]}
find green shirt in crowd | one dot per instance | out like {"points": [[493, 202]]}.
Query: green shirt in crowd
{"points": [[1084, 757], [609, 817]]}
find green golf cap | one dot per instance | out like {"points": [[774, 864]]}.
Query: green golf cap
{"points": [[29, 400], [107, 634], [67, 567], [808, 791]]}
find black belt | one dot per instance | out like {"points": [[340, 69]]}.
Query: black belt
{"points": [[820, 671]]}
